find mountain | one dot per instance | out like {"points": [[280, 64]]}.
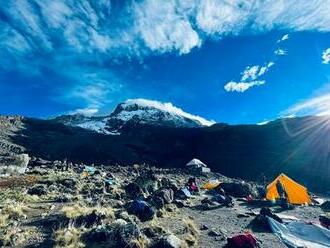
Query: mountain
{"points": [[298, 147], [133, 112]]}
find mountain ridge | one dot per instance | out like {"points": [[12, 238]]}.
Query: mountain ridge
{"points": [[135, 111]]}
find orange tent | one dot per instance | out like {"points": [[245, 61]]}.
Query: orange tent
{"points": [[296, 193], [211, 184]]}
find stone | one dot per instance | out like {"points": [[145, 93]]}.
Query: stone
{"points": [[168, 241], [38, 190], [239, 189], [326, 206], [133, 190]]}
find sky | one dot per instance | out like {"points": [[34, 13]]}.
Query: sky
{"points": [[229, 61]]}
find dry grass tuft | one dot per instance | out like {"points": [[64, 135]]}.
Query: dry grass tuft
{"points": [[77, 210], [14, 210], [192, 232], [140, 242], [69, 237]]}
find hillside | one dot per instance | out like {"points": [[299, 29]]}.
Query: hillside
{"points": [[293, 146]]}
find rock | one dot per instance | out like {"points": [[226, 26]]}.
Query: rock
{"points": [[133, 190], [239, 189], [142, 210], [127, 234], [38, 190], [37, 171], [179, 203], [166, 194], [89, 220], [242, 215], [148, 182], [168, 241], [118, 234], [13, 164], [69, 183], [214, 233], [204, 227], [157, 202], [326, 206], [153, 231]]}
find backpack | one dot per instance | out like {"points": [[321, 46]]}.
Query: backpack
{"points": [[246, 240]]}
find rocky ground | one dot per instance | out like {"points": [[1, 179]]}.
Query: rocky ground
{"points": [[50, 206]]}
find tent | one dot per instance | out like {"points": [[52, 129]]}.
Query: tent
{"points": [[196, 163], [211, 184], [301, 234], [296, 193]]}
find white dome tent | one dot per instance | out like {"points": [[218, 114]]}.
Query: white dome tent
{"points": [[197, 166]]}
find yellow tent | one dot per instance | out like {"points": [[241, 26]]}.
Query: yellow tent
{"points": [[296, 193], [211, 184]]}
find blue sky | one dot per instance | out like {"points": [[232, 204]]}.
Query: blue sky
{"points": [[228, 61]]}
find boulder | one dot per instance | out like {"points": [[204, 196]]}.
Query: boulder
{"points": [[239, 189], [157, 202], [69, 183], [133, 190], [118, 234], [13, 164], [168, 241], [38, 190], [166, 194], [142, 210], [326, 206]]}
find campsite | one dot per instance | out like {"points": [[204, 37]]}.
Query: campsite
{"points": [[62, 204], [164, 124]]}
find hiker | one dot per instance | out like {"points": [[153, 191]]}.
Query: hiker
{"points": [[192, 186], [283, 200]]}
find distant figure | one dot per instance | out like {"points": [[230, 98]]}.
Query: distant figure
{"points": [[192, 185], [280, 190], [283, 201]]}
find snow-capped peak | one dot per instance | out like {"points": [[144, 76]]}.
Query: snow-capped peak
{"points": [[136, 111], [144, 104]]}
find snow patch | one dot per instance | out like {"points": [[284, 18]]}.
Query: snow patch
{"points": [[165, 107]]}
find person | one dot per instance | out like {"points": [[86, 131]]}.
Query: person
{"points": [[280, 190], [283, 200], [192, 185]]}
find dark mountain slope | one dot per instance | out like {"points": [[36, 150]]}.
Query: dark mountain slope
{"points": [[299, 147]]}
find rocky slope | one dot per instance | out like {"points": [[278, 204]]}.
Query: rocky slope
{"points": [[49, 207], [297, 146]]}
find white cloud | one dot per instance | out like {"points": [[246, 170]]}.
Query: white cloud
{"points": [[280, 52], [326, 56], [255, 71], [319, 105], [241, 86], [92, 91], [137, 28], [283, 38], [250, 72], [85, 111], [249, 78]]}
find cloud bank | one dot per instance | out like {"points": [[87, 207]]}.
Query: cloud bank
{"points": [[319, 105], [137, 28], [63, 35]]}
